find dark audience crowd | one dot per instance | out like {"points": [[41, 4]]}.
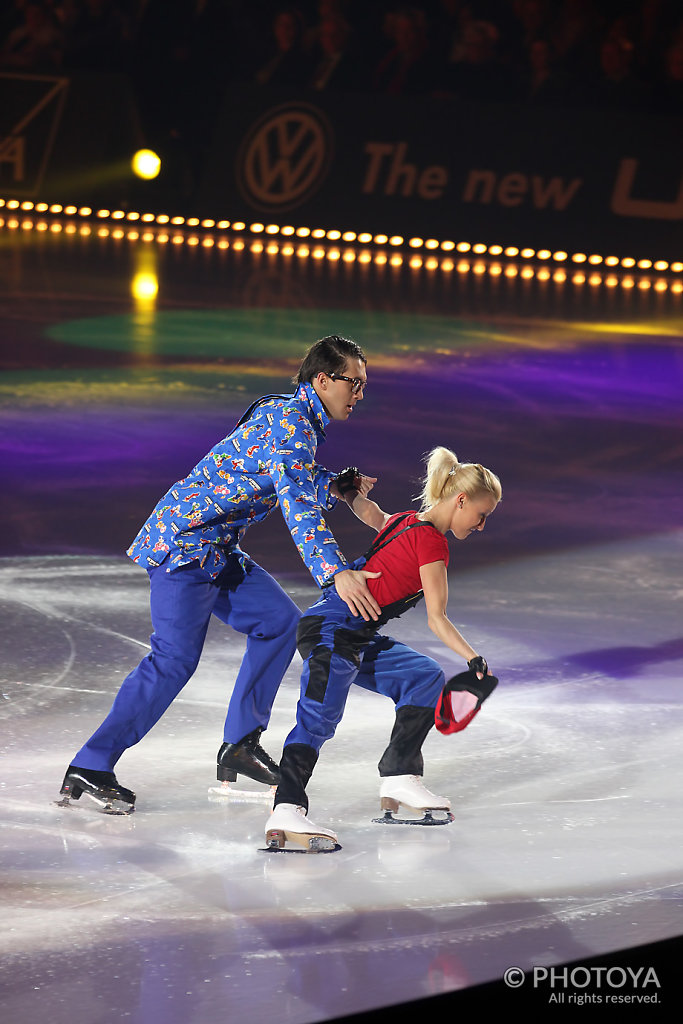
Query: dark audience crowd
{"points": [[181, 55]]}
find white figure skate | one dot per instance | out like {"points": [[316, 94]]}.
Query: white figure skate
{"points": [[288, 823], [410, 791]]}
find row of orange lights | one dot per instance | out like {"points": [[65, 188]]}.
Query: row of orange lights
{"points": [[462, 266], [315, 234]]}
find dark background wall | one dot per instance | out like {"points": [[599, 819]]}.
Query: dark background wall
{"points": [[545, 123]]}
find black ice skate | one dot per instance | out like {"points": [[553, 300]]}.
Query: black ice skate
{"points": [[247, 758], [410, 791], [102, 787]]}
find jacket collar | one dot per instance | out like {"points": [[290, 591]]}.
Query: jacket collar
{"points": [[306, 393]]}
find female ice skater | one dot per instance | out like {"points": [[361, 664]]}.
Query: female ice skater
{"points": [[407, 560]]}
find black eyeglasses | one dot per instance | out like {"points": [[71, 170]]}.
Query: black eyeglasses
{"points": [[357, 384]]}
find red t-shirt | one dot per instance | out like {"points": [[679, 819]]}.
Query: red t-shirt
{"points": [[400, 560]]}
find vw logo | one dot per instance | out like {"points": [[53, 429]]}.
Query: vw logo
{"points": [[285, 157]]}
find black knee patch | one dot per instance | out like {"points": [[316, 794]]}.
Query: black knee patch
{"points": [[308, 634], [318, 673], [350, 642]]}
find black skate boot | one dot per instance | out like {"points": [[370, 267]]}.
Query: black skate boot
{"points": [[247, 758], [102, 787]]}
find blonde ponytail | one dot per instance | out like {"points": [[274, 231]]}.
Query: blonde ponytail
{"points": [[446, 476]]}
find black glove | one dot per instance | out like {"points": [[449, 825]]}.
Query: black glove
{"points": [[348, 480], [478, 664]]}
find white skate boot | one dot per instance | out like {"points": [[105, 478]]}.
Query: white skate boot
{"points": [[410, 791], [288, 823]]}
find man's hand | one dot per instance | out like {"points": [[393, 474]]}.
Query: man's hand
{"points": [[351, 483], [352, 587]]}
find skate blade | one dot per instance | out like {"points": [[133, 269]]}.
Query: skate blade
{"points": [[277, 839], [227, 791], [110, 807], [331, 848], [428, 819]]}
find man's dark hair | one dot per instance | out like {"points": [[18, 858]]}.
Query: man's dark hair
{"points": [[329, 355]]}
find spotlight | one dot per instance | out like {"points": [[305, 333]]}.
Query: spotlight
{"points": [[146, 164], [145, 286]]}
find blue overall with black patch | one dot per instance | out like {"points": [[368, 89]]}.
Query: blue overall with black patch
{"points": [[339, 649]]}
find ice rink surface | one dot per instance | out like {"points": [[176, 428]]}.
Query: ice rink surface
{"points": [[567, 833], [566, 840]]}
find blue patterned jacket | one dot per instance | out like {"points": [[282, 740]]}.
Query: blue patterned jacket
{"points": [[268, 459]]}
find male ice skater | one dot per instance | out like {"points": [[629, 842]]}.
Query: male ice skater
{"points": [[190, 547]]}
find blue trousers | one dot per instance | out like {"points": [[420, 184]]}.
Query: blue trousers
{"points": [[182, 602], [339, 649]]}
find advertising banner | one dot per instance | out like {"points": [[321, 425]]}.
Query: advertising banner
{"points": [[440, 168], [556, 178]]}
